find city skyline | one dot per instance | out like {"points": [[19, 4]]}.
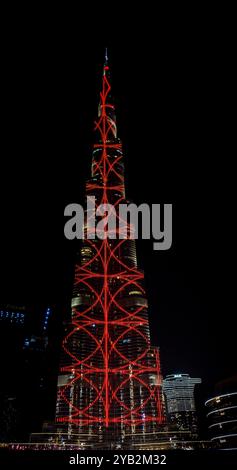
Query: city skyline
{"points": [[187, 296]]}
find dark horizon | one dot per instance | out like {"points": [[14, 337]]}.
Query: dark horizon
{"points": [[174, 130]]}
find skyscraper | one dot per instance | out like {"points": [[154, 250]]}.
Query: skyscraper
{"points": [[12, 328], [109, 381], [180, 402], [24, 364]]}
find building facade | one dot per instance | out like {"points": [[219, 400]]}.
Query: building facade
{"points": [[222, 415], [24, 366], [12, 315], [178, 390], [109, 380]]}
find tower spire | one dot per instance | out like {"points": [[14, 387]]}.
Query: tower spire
{"points": [[106, 55]]}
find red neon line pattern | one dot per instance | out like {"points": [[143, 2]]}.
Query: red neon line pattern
{"points": [[107, 369]]}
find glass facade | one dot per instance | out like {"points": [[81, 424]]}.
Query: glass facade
{"points": [[222, 420], [178, 390]]}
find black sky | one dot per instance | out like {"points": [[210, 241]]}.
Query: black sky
{"points": [[174, 104]]}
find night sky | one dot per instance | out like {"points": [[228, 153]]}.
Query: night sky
{"points": [[174, 101]]}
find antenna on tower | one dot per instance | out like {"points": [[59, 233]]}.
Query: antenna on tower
{"points": [[106, 55]]}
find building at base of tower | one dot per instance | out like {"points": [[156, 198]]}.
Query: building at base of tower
{"points": [[180, 404], [222, 415]]}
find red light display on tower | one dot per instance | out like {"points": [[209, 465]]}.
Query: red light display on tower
{"points": [[110, 373]]}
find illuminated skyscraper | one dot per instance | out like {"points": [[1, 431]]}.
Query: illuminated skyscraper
{"points": [[24, 350], [180, 402], [109, 381]]}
